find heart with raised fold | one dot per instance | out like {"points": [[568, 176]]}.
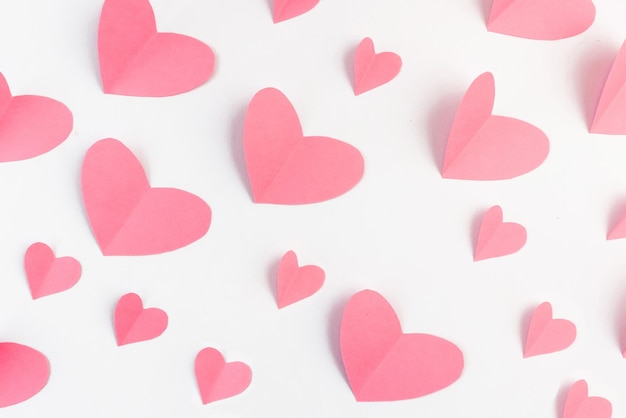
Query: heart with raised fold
{"points": [[548, 335], [497, 238], [295, 283], [217, 379], [373, 69], [134, 323], [47, 274], [579, 404]]}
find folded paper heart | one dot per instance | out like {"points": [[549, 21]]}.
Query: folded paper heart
{"points": [[30, 125], [497, 238], [24, 371], [218, 379], [126, 215], [133, 323], [371, 69], [136, 60], [287, 9], [579, 404], [547, 335], [541, 19], [285, 167], [382, 363], [610, 116], [296, 283], [482, 146], [47, 274]]}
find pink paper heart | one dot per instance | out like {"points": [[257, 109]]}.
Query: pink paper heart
{"points": [[382, 363], [30, 125], [126, 215], [296, 283], [133, 323], [136, 60], [579, 405], [482, 146], [218, 379], [47, 274], [371, 69], [497, 238], [547, 335], [610, 117], [541, 19], [24, 371], [287, 9], [285, 167]]}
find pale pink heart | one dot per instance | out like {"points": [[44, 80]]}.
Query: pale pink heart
{"points": [[47, 274], [482, 146], [285, 167], [30, 125], [287, 9], [610, 116], [382, 363], [580, 405], [133, 323], [218, 379], [136, 60], [296, 283], [371, 69], [24, 371], [497, 238], [126, 215], [541, 19], [547, 335]]}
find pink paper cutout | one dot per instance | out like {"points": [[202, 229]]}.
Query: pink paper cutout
{"points": [[610, 117], [30, 125], [136, 60], [133, 323], [382, 363], [482, 146], [47, 274], [24, 371], [126, 215], [285, 167], [217, 379], [619, 230], [371, 69], [497, 238], [579, 405], [541, 19], [296, 283], [287, 9], [547, 335]]}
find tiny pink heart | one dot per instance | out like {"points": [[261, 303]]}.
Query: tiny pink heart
{"points": [[133, 323], [47, 274], [611, 110], [218, 379], [371, 69], [296, 283], [287, 9], [547, 335], [24, 371], [497, 238], [580, 405]]}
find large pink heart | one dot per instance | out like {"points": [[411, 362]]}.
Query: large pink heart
{"points": [[285, 167], [24, 371], [133, 323], [295, 283], [136, 60], [580, 405], [382, 363], [482, 146], [127, 216], [47, 274], [217, 379], [547, 335], [371, 69], [287, 9]]}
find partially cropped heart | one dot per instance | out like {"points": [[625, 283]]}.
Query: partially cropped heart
{"points": [[47, 274], [547, 335], [133, 323], [127, 216], [497, 238], [217, 379], [482, 146], [609, 117], [30, 125], [580, 405], [285, 167], [296, 283], [382, 363], [371, 69], [541, 19], [136, 60], [287, 9], [24, 371]]}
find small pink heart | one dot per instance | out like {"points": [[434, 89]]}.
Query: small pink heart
{"points": [[47, 274], [24, 371], [611, 110], [287, 9], [482, 146], [218, 379], [127, 216], [285, 167], [579, 405], [133, 323], [547, 335], [541, 19], [382, 363], [30, 125], [497, 238], [136, 60], [371, 69], [296, 283]]}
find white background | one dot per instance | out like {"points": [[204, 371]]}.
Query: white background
{"points": [[403, 230]]}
